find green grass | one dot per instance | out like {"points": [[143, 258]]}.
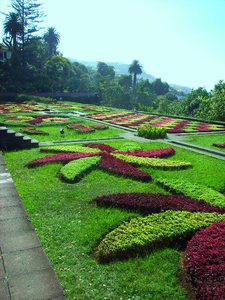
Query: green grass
{"points": [[69, 134], [70, 226], [206, 140]]}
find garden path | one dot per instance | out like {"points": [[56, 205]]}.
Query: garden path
{"points": [[25, 272]]}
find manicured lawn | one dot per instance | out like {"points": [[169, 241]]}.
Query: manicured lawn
{"points": [[78, 233], [206, 140], [70, 226]]}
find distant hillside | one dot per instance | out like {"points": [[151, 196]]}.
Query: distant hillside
{"points": [[121, 68]]}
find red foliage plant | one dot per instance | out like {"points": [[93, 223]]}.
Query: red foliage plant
{"points": [[117, 166], [205, 262], [150, 153], [102, 147], [154, 203], [219, 145], [59, 157]]}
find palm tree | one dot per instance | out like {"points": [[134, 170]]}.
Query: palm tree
{"points": [[13, 27], [136, 69], [51, 37]]}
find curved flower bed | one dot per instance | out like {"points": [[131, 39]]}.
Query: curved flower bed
{"points": [[153, 203], [192, 190], [117, 166], [60, 157], [69, 148], [219, 145], [158, 163], [101, 147], [34, 131], [143, 235], [76, 169], [205, 262], [150, 153]]}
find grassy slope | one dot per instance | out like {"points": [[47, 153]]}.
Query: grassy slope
{"points": [[70, 226]]}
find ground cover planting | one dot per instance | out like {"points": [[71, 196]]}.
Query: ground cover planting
{"points": [[219, 145], [32, 131], [152, 232], [95, 215], [193, 190], [80, 128], [158, 163], [22, 107], [172, 125], [204, 261], [155, 203]]}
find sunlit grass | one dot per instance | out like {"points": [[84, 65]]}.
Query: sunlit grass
{"points": [[206, 140], [70, 226]]}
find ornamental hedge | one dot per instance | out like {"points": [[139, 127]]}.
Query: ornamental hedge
{"points": [[155, 203], [58, 158], [69, 148], [116, 166], [192, 190], [76, 169], [157, 163], [150, 153], [143, 235]]}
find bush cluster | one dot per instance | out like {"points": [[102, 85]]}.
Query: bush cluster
{"points": [[149, 132]]}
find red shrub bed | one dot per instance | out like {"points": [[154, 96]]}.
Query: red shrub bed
{"points": [[219, 145], [154, 203], [102, 147], [59, 157], [205, 262], [203, 127], [178, 128], [150, 153], [38, 120], [34, 131], [117, 166]]}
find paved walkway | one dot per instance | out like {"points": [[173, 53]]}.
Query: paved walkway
{"points": [[25, 272]]}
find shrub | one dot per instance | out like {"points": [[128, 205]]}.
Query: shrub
{"points": [[149, 132]]}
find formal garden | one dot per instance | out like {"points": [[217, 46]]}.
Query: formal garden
{"points": [[120, 218]]}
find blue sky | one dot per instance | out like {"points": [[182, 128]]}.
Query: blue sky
{"points": [[180, 41]]}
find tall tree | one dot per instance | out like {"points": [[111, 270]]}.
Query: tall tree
{"points": [[30, 14], [12, 28], [136, 69], [51, 38]]}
